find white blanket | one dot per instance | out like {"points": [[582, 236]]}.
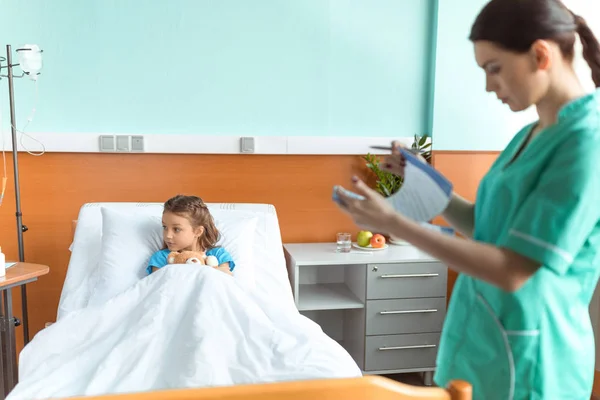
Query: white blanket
{"points": [[181, 327]]}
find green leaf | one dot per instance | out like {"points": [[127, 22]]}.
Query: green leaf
{"points": [[423, 140], [387, 183]]}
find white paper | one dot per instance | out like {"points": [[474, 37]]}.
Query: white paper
{"points": [[439, 228], [8, 265], [424, 194]]}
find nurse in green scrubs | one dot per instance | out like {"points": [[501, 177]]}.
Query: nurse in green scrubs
{"points": [[518, 325]]}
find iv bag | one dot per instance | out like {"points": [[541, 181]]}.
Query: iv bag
{"points": [[30, 60]]}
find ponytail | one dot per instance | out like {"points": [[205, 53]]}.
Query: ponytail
{"points": [[591, 48]]}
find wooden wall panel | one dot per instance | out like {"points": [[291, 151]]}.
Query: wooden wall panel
{"points": [[54, 186]]}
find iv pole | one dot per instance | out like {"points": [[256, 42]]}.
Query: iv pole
{"points": [[20, 227]]}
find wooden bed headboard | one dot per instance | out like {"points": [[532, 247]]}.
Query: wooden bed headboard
{"points": [[364, 388]]}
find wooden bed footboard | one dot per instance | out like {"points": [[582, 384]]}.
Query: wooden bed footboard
{"points": [[365, 388]]}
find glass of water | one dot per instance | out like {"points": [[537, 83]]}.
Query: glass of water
{"points": [[344, 242]]}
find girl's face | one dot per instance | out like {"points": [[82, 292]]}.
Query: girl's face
{"points": [[518, 80], [179, 234]]}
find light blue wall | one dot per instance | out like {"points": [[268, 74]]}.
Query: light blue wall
{"points": [[465, 116], [231, 67]]}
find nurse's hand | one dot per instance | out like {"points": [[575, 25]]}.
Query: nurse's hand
{"points": [[395, 162], [374, 213]]}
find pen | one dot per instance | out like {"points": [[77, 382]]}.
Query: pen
{"points": [[391, 148], [382, 148]]}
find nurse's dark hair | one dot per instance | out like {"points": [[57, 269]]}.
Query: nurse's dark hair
{"points": [[516, 24], [195, 210]]}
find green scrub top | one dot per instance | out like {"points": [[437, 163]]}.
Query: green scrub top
{"points": [[535, 343]]}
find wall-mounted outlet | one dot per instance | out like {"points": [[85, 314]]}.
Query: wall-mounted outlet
{"points": [[137, 143], [123, 143], [247, 145], [107, 143]]}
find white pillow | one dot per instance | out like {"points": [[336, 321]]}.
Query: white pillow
{"points": [[129, 240], [238, 232]]}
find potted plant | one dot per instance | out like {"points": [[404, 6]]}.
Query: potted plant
{"points": [[386, 182]]}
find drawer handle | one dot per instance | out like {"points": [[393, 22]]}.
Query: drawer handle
{"points": [[408, 311], [408, 275], [419, 346]]}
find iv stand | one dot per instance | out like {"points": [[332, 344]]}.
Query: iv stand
{"points": [[20, 227]]}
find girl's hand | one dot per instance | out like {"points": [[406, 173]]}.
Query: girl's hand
{"points": [[224, 268], [374, 213], [396, 162]]}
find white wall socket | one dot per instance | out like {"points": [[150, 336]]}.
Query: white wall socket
{"points": [[137, 143], [121, 143], [107, 143], [247, 145]]}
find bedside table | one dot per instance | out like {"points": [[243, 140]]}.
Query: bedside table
{"points": [[386, 307], [19, 274]]}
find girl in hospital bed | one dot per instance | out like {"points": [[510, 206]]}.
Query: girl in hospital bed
{"points": [[188, 225]]}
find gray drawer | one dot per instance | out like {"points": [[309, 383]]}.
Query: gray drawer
{"points": [[387, 317], [406, 280], [401, 351]]}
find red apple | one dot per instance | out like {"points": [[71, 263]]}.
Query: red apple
{"points": [[377, 241]]}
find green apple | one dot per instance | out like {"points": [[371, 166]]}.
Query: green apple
{"points": [[364, 238]]}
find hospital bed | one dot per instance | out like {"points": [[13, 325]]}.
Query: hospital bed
{"points": [[265, 278]]}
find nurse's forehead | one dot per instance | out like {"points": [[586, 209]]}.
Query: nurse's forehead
{"points": [[486, 53]]}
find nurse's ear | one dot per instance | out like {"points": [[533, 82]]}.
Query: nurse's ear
{"points": [[542, 55]]}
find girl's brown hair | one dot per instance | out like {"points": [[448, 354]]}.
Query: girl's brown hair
{"points": [[194, 210]]}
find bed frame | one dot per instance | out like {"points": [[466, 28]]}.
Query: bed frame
{"points": [[365, 388], [73, 228]]}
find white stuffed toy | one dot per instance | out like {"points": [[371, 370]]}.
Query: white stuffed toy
{"points": [[192, 257]]}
